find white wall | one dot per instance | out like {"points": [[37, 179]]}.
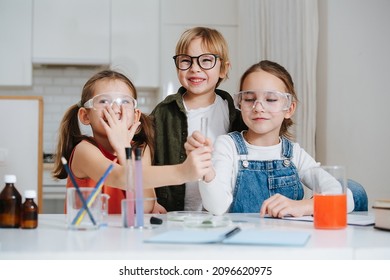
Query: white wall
{"points": [[353, 92]]}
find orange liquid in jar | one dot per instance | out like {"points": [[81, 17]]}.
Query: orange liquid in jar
{"points": [[330, 211]]}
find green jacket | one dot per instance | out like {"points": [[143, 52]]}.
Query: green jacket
{"points": [[171, 129]]}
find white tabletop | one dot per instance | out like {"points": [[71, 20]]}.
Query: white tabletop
{"points": [[52, 240]]}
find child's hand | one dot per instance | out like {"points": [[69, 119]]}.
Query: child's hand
{"points": [[133, 129], [118, 130], [198, 163], [279, 206], [158, 209], [195, 141]]}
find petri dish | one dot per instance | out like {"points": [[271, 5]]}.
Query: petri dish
{"points": [[206, 222], [180, 216]]}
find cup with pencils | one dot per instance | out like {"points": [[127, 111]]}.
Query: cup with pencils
{"points": [[86, 206], [74, 207]]}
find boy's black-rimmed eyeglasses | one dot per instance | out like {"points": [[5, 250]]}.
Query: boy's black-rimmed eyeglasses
{"points": [[205, 61]]}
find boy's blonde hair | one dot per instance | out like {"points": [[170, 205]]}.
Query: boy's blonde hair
{"points": [[212, 40]]}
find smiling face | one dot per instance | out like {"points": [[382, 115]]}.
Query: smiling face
{"points": [[262, 123], [117, 89], [196, 80]]}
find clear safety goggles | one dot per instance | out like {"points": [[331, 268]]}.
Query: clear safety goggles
{"points": [[270, 100], [104, 100]]}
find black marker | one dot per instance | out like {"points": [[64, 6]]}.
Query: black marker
{"points": [[155, 221], [232, 232]]}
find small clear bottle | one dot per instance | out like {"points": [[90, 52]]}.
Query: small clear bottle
{"points": [[10, 204], [29, 211]]}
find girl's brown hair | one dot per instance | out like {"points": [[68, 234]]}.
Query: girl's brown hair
{"points": [[280, 72], [70, 134], [212, 40]]}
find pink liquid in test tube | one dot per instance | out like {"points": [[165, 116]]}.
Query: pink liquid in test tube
{"points": [[130, 207]]}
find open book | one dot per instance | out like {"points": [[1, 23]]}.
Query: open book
{"points": [[240, 237]]}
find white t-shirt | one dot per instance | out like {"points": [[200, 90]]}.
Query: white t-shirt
{"points": [[218, 124], [217, 195]]}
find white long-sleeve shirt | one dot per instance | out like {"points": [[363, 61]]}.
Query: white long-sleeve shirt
{"points": [[217, 195], [218, 124]]}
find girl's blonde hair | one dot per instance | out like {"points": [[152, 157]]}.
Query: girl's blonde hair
{"points": [[70, 134], [211, 40], [280, 72]]}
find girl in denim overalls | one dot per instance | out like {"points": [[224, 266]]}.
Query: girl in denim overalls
{"points": [[260, 169]]}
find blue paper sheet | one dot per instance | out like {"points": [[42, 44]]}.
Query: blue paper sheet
{"points": [[269, 237], [244, 237]]}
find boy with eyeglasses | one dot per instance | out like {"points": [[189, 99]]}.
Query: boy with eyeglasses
{"points": [[202, 63]]}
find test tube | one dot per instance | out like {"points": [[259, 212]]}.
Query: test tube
{"points": [[130, 195], [204, 126], [139, 190], [204, 123]]}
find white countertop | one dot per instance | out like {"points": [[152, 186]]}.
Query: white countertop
{"points": [[52, 240]]}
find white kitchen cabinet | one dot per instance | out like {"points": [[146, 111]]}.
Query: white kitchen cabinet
{"points": [[15, 42], [71, 32], [135, 40]]}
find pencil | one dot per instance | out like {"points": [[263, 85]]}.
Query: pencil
{"points": [[92, 197], [65, 163]]}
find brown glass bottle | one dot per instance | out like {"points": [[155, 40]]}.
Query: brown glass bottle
{"points": [[10, 204], [29, 211]]}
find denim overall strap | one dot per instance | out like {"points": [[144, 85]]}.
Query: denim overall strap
{"points": [[258, 180], [287, 148], [239, 141]]}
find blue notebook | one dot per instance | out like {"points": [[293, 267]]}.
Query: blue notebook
{"points": [[244, 237]]}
